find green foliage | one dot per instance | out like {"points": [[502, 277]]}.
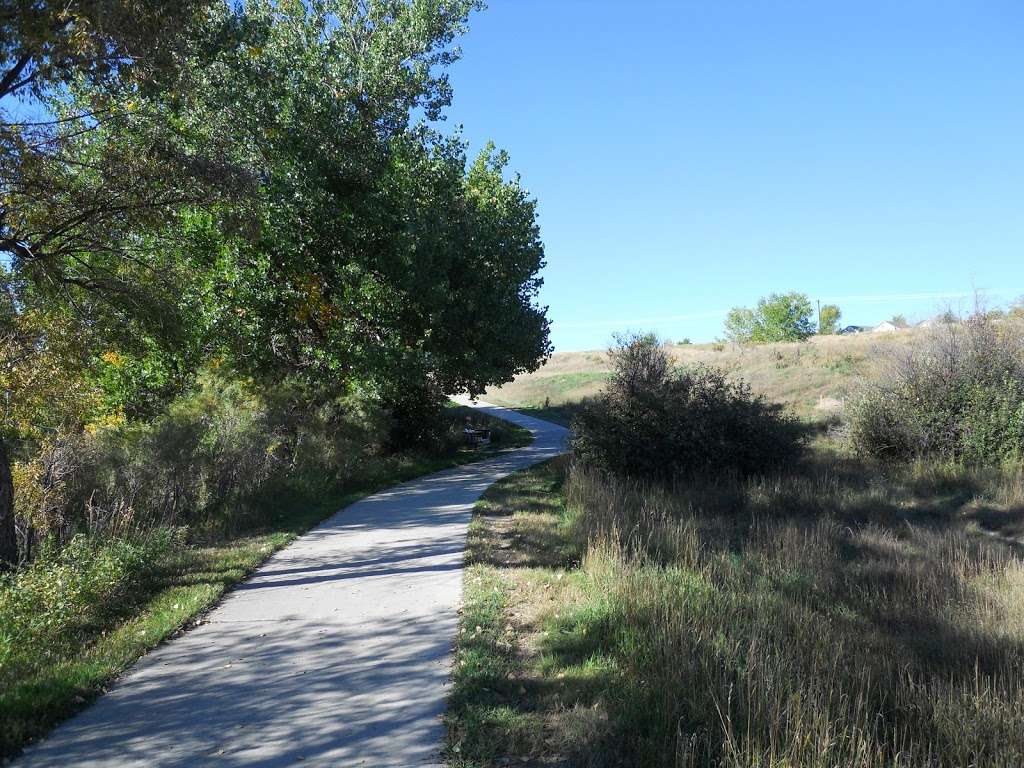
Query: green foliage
{"points": [[900, 321], [290, 230], [740, 324], [324, 239], [658, 422], [959, 393], [66, 593], [828, 322], [45, 45], [778, 317], [783, 317], [208, 461]]}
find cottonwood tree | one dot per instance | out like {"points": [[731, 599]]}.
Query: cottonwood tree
{"points": [[67, 70], [739, 325], [318, 233], [380, 257], [68, 202]]}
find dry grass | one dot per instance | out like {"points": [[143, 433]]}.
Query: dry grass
{"points": [[813, 377], [836, 615]]}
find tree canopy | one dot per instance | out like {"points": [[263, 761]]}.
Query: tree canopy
{"points": [[777, 317], [828, 319], [263, 186]]}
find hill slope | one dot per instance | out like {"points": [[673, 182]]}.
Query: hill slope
{"points": [[812, 377]]}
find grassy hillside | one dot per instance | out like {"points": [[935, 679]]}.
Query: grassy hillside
{"points": [[812, 378], [836, 610]]}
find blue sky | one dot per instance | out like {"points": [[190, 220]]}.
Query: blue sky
{"points": [[692, 156]]}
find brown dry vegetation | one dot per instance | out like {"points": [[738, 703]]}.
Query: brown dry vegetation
{"points": [[835, 612], [836, 616], [813, 377]]}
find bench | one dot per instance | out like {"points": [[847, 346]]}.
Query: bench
{"points": [[477, 437]]}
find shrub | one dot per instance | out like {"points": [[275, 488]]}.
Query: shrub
{"points": [[958, 394], [213, 461], [657, 421], [46, 606]]}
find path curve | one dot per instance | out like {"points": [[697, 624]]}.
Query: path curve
{"points": [[335, 652]]}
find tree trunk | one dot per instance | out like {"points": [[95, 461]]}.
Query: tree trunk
{"points": [[8, 535]]}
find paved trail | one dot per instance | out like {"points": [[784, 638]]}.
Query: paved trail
{"points": [[336, 652]]}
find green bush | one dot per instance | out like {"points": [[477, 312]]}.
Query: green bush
{"points": [[66, 592], [656, 421], [224, 458], [957, 394], [210, 461]]}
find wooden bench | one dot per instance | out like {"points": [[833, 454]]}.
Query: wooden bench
{"points": [[477, 437]]}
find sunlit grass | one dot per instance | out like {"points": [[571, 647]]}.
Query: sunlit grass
{"points": [[810, 377], [841, 614]]}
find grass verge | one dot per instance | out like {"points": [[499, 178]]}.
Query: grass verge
{"points": [[156, 590]]}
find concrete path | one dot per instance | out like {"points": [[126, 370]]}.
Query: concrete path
{"points": [[336, 652]]}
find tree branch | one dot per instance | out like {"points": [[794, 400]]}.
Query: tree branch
{"points": [[8, 83]]}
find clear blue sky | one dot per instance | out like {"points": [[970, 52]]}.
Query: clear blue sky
{"points": [[692, 156]]}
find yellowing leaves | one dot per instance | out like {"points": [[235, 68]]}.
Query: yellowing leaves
{"points": [[106, 421], [312, 305], [42, 385]]}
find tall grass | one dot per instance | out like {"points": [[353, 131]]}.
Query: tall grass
{"points": [[820, 622]]}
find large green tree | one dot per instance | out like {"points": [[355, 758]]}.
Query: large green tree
{"points": [[262, 182]]}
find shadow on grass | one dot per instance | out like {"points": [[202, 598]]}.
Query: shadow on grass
{"points": [[520, 523], [841, 596]]}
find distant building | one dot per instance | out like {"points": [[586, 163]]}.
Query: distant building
{"points": [[885, 327], [947, 318]]}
